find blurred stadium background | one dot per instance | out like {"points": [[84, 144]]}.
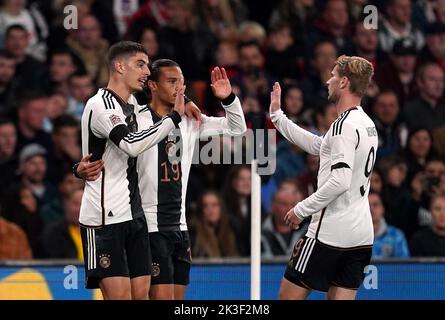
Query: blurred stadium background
{"points": [[48, 70]]}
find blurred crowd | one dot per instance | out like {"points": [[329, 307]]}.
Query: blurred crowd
{"points": [[48, 72]]}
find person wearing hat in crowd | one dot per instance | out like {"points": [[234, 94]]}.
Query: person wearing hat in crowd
{"points": [[32, 170], [434, 50], [397, 73]]}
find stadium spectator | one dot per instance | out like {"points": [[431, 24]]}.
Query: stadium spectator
{"points": [[13, 12], [8, 89], [293, 102], [32, 169], [184, 31], [62, 65], [81, 88], [419, 150], [253, 79], [66, 148], [31, 115], [277, 238], [434, 51], [314, 83], [333, 26], [308, 179], [389, 241], [391, 131], [323, 117], [13, 241], [61, 239], [366, 42], [236, 196], [397, 73], [396, 195], [397, 25], [149, 39], [424, 187], [16, 43], [430, 241], [376, 181], [212, 234], [428, 110], [8, 159], [283, 58], [19, 206], [87, 43]]}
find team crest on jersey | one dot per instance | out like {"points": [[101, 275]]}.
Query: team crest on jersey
{"points": [[170, 148], [156, 270], [115, 119], [104, 261]]}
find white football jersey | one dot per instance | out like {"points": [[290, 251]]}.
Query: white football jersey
{"points": [[339, 208], [163, 183], [110, 132]]}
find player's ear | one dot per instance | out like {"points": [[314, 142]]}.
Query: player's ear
{"points": [[152, 85], [344, 82], [119, 66]]}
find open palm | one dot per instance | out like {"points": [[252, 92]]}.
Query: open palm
{"points": [[220, 83]]}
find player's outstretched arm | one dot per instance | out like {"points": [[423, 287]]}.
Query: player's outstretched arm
{"points": [[304, 139], [233, 123]]}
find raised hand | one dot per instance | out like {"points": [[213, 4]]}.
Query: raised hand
{"points": [[179, 101], [220, 83], [275, 98]]}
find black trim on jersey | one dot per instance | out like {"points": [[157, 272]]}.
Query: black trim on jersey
{"points": [[169, 184], [365, 246], [121, 132], [144, 109], [176, 118], [229, 100], [96, 146], [102, 196], [358, 139], [118, 133], [319, 223], [108, 102], [340, 165], [132, 175], [340, 123], [88, 226], [336, 122]]}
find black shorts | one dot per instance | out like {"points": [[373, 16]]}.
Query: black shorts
{"points": [[171, 257], [318, 266], [116, 250]]}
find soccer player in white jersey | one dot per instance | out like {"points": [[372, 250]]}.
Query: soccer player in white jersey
{"points": [[337, 247], [163, 179], [113, 226]]}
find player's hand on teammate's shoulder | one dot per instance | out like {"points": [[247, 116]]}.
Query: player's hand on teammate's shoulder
{"points": [[179, 102], [89, 171], [192, 111], [275, 98], [292, 220], [220, 83]]}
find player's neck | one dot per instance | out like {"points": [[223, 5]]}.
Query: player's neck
{"points": [[119, 88], [347, 102], [160, 107]]}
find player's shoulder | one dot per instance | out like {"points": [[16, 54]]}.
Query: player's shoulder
{"points": [[101, 101], [356, 118]]}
